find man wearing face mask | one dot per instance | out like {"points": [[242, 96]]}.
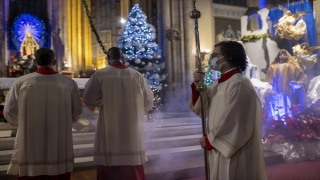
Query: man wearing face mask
{"points": [[123, 97], [234, 115]]}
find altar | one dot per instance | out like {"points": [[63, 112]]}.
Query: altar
{"points": [[86, 122], [6, 83]]}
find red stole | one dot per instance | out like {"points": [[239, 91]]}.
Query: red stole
{"points": [[228, 75], [118, 65], [46, 70]]}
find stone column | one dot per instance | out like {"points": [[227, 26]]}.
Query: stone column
{"points": [[124, 8], [87, 48], [175, 46], [50, 21], [2, 36], [167, 51], [78, 34], [182, 45], [189, 42], [164, 13], [180, 87], [55, 10], [79, 51]]}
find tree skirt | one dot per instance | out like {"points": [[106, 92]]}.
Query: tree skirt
{"points": [[293, 151]]}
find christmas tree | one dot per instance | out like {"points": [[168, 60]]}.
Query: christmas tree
{"points": [[208, 78], [142, 53]]}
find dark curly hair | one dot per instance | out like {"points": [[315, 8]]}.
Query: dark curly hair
{"points": [[44, 56], [234, 54]]}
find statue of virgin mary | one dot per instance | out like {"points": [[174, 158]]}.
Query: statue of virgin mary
{"points": [[29, 45]]}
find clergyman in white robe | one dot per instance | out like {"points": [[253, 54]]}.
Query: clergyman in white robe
{"points": [[123, 97], [43, 105], [234, 114]]}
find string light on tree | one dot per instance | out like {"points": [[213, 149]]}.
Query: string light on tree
{"points": [[141, 53], [209, 77]]}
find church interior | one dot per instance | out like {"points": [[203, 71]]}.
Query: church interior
{"points": [[158, 39]]}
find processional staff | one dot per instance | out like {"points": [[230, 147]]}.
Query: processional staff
{"points": [[200, 87]]}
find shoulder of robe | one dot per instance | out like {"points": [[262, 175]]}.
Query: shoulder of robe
{"points": [[135, 73], [239, 77], [241, 80], [103, 71], [133, 70], [25, 78], [109, 69]]}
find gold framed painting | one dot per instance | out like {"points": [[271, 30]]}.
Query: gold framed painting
{"points": [[227, 29]]}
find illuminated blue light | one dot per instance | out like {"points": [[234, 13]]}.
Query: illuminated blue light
{"points": [[263, 4], [28, 23], [280, 104]]}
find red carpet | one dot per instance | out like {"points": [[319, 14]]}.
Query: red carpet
{"points": [[307, 170]]}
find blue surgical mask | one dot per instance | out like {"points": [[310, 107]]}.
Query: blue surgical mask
{"points": [[213, 63]]}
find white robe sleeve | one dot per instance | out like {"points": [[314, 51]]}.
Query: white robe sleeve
{"points": [[236, 126], [76, 103], [196, 108], [92, 94], [147, 96], [10, 110]]}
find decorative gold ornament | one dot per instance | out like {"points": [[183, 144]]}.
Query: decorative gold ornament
{"points": [[303, 55], [286, 28]]}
